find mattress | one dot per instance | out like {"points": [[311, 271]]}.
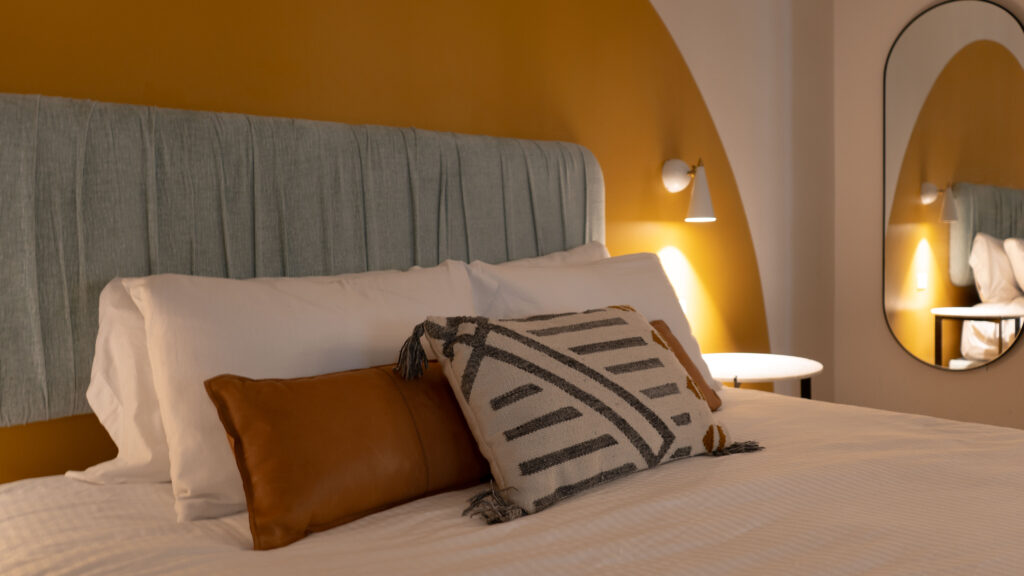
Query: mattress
{"points": [[838, 490]]}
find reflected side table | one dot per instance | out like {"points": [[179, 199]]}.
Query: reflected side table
{"points": [[744, 367], [996, 315]]}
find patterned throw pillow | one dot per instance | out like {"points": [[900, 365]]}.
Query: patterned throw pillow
{"points": [[563, 402]]}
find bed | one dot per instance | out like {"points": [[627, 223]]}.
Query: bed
{"points": [[987, 217], [836, 490]]}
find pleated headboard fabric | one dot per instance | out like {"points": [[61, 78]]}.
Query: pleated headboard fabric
{"points": [[90, 191], [993, 210]]}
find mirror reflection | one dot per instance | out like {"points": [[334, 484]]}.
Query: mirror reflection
{"points": [[954, 184]]}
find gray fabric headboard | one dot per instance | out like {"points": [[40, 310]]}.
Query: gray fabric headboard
{"points": [[993, 210], [90, 191]]}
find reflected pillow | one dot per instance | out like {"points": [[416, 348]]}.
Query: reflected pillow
{"points": [[1014, 248], [993, 274]]}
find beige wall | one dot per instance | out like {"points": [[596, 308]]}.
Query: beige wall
{"points": [[870, 367], [798, 84], [813, 268], [765, 71]]}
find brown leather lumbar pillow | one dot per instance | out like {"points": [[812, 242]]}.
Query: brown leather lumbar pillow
{"points": [[318, 452], [710, 396]]}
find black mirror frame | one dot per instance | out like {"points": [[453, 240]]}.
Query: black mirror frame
{"points": [[885, 71]]}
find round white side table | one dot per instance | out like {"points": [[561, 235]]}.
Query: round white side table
{"points": [[741, 367]]}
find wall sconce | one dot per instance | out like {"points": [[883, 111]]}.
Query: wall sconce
{"points": [[929, 193], [949, 213], [677, 175]]}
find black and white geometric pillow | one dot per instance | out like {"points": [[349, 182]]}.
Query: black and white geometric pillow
{"points": [[561, 403]]}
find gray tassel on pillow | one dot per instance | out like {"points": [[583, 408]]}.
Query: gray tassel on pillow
{"points": [[412, 360], [739, 448], [492, 506]]}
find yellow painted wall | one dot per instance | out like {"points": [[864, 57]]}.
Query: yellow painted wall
{"points": [[970, 129], [603, 73]]}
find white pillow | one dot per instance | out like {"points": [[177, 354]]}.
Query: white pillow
{"points": [[636, 279], [121, 394], [993, 275], [198, 328], [1014, 248], [589, 252], [121, 391]]}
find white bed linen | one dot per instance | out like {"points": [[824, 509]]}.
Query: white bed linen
{"points": [[838, 490]]}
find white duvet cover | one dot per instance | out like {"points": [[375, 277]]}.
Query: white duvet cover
{"points": [[838, 490]]}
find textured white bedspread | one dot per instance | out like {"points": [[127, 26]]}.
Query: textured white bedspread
{"points": [[838, 490]]}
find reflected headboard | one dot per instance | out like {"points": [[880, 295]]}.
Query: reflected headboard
{"points": [[90, 191], [981, 208]]}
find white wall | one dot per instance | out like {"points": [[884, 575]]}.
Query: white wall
{"points": [[871, 369], [813, 287], [755, 64]]}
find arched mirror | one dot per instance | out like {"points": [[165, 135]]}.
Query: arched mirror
{"points": [[954, 184]]}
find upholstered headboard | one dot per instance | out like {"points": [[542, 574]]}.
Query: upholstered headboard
{"points": [[90, 191], [981, 208]]}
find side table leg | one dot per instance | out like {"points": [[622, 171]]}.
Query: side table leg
{"points": [[938, 341], [1000, 332], [805, 388]]}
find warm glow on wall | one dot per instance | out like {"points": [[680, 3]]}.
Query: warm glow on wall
{"points": [[717, 305], [678, 271], [919, 275], [922, 263], [917, 280], [919, 289]]}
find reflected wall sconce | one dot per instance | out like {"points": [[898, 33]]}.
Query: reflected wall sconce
{"points": [[677, 175], [929, 193]]}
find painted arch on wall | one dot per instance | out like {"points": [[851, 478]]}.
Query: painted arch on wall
{"points": [[604, 74]]}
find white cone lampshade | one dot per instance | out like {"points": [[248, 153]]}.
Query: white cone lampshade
{"points": [[700, 202]]}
